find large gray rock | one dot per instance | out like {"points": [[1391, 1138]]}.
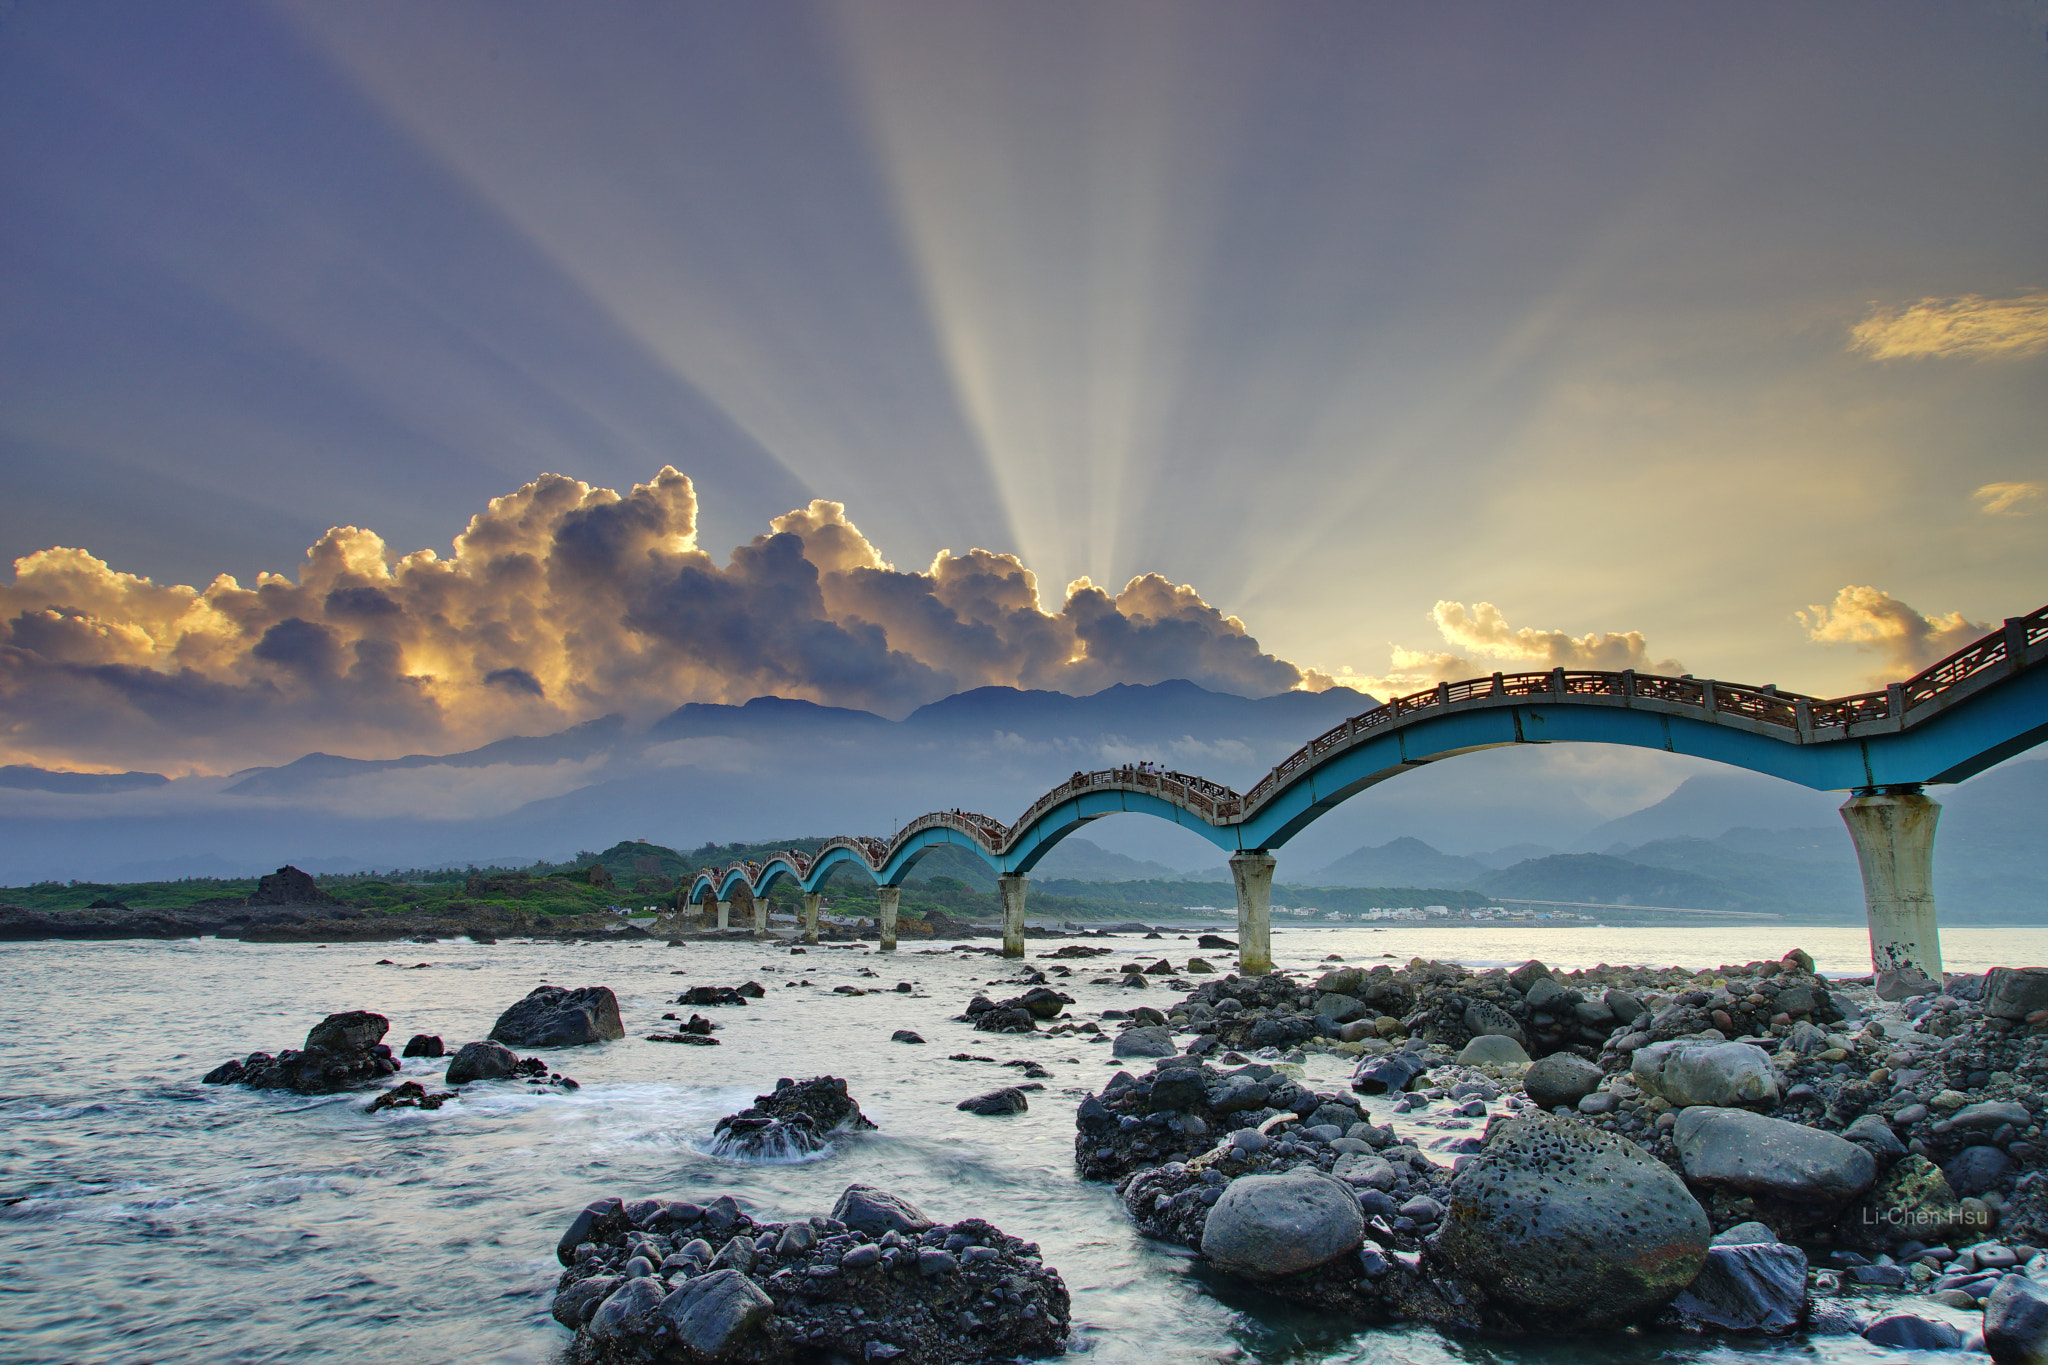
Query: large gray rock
{"points": [[709, 1315], [2016, 1322], [1493, 1049], [484, 1061], [554, 1016], [1735, 1149], [2015, 992], [1143, 1042], [877, 1212], [629, 1312], [1565, 1226], [1270, 1225], [1560, 1078], [1746, 1287], [1339, 1008], [1718, 1074], [1991, 1114]]}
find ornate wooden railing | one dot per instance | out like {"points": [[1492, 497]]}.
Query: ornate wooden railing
{"points": [[1788, 716]]}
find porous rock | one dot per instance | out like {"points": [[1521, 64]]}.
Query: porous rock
{"points": [[342, 1052], [1560, 1224]]}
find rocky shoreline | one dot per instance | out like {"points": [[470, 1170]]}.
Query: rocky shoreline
{"points": [[1752, 1149]]}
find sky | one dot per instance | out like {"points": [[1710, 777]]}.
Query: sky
{"points": [[519, 364]]}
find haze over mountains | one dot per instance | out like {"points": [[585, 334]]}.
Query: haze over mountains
{"points": [[1511, 823]]}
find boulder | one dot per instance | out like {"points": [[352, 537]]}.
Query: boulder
{"points": [[1748, 1286], [1623, 1006], [1339, 1008], [1737, 1150], [1493, 1049], [2016, 1322], [1717, 1074], [1562, 1225], [485, 1061], [1266, 1226], [1143, 1042], [1991, 1114], [629, 1311], [710, 1314], [1873, 1134], [1560, 1078], [1911, 1332], [1388, 1075], [2015, 992], [555, 1016], [1008, 1100], [342, 1051], [878, 1212], [424, 1045]]}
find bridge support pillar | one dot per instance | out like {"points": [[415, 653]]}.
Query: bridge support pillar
{"points": [[1252, 871], [724, 915], [760, 917], [811, 899], [885, 902], [1011, 889], [1894, 835]]}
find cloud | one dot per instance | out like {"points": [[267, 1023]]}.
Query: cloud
{"points": [[1872, 619], [559, 603], [1481, 630], [1969, 325], [2009, 499]]}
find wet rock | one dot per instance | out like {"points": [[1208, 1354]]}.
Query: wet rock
{"points": [[1266, 1226], [794, 1120], [482, 1061], [1875, 1136], [1559, 1224], [1340, 1009], [2016, 1322], [555, 1016], [904, 1035], [877, 1212], [1910, 1332], [1737, 1150], [424, 1045], [342, 1051], [1560, 1079], [410, 1095], [1483, 1017], [1143, 1042], [1388, 1075], [1746, 1287], [699, 996], [1493, 1049], [1215, 941], [1008, 1100], [732, 1289]]}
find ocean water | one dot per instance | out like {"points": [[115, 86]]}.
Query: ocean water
{"points": [[150, 1218]]}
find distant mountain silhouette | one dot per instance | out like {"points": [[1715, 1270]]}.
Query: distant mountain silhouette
{"points": [[1401, 862], [85, 784], [1708, 805]]}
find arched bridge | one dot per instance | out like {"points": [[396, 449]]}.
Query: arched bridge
{"points": [[1982, 704]]}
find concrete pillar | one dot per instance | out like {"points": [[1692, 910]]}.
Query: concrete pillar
{"points": [[724, 915], [1252, 871], [1894, 834], [811, 899], [760, 917], [885, 902], [1011, 889]]}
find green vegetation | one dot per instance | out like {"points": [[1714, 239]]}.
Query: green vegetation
{"points": [[635, 873]]}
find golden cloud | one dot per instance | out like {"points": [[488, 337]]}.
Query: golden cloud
{"points": [[1872, 619], [1970, 325], [1482, 630], [2009, 499], [560, 603]]}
